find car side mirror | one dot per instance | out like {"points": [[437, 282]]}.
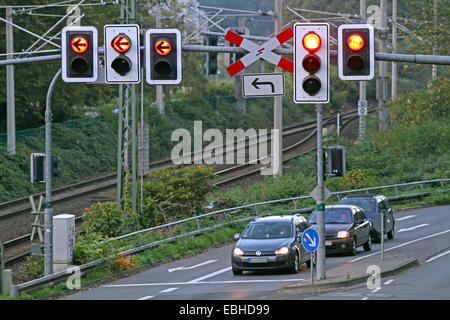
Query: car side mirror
{"points": [[237, 236]]}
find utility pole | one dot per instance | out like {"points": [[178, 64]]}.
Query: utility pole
{"points": [[159, 88], [434, 67], [240, 100], [394, 48], [48, 212], [127, 15], [277, 155], [362, 84], [320, 202], [10, 99], [383, 113]]}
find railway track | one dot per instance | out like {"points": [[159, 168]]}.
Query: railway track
{"points": [[18, 247]]}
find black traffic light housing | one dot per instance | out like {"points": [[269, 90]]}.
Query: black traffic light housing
{"points": [[336, 161], [79, 54], [211, 57], [356, 52], [163, 56]]}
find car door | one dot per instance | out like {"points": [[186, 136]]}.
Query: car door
{"points": [[300, 226], [362, 227]]}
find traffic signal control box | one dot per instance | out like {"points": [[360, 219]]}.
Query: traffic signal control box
{"points": [[163, 54], [79, 54], [311, 63], [356, 52]]}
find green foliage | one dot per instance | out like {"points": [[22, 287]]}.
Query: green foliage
{"points": [[87, 149], [175, 193], [106, 219]]}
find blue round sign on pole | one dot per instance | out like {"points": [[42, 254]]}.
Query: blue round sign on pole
{"points": [[310, 239]]}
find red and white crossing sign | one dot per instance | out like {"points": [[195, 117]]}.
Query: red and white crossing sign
{"points": [[256, 51]]}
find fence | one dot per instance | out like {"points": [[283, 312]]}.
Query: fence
{"points": [[127, 244]]}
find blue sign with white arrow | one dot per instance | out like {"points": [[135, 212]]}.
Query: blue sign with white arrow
{"points": [[310, 239]]}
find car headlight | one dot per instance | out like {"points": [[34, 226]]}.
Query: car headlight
{"points": [[238, 252], [343, 234], [282, 251]]}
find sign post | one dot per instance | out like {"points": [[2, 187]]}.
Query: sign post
{"points": [[310, 241]]}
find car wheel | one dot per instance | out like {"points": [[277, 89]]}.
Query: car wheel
{"points": [[295, 263], [390, 234], [368, 245], [353, 249], [376, 238], [236, 272]]}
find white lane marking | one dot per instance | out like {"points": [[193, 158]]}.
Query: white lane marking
{"points": [[405, 218], [191, 267], [438, 256], [401, 245], [388, 282], [375, 290], [146, 298], [168, 290], [203, 282], [414, 228], [210, 275], [365, 298]]}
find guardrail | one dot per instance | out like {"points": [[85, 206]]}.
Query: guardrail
{"points": [[194, 227]]}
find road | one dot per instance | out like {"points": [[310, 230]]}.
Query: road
{"points": [[423, 234]]}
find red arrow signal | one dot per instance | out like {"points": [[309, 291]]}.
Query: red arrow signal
{"points": [[121, 43], [163, 47], [79, 44]]}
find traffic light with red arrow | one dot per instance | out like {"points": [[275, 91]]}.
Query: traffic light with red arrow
{"points": [[163, 56], [79, 54], [122, 54]]}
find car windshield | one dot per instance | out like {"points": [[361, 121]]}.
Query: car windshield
{"points": [[333, 216], [368, 205], [268, 230]]}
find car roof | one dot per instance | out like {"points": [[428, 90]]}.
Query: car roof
{"points": [[364, 195], [275, 218], [341, 206]]}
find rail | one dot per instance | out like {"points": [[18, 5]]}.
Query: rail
{"points": [[226, 214]]}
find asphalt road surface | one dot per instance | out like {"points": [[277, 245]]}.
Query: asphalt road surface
{"points": [[423, 234]]}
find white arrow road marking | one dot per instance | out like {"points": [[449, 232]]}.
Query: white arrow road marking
{"points": [[414, 228], [405, 217], [191, 267], [438, 256], [146, 298], [313, 242]]}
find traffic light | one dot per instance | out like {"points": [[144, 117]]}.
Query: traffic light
{"points": [[230, 58], [336, 161], [311, 63], [356, 52], [79, 54], [211, 57], [122, 53], [163, 56]]}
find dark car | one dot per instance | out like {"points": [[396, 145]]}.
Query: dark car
{"points": [[271, 242], [346, 228], [373, 205]]}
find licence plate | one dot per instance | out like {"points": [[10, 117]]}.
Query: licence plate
{"points": [[257, 260], [328, 243]]}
